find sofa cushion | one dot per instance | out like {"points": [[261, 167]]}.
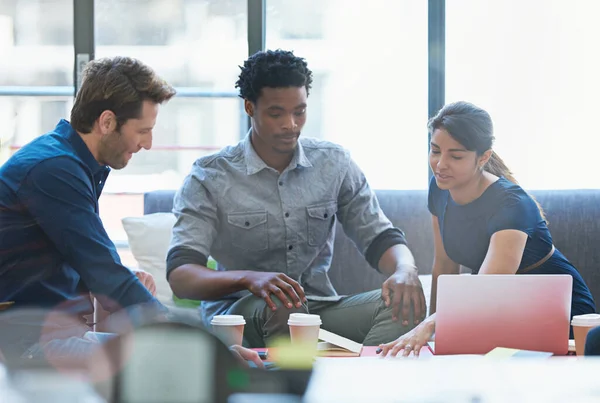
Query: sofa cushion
{"points": [[573, 215], [407, 210], [574, 222], [149, 237]]}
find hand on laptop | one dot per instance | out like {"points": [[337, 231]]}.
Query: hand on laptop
{"points": [[402, 290], [411, 341]]}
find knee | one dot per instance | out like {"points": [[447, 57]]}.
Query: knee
{"points": [[253, 307], [592, 342], [280, 315]]}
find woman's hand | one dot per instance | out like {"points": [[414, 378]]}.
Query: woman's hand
{"points": [[411, 341]]}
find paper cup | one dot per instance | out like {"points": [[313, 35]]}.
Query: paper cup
{"points": [[229, 328], [581, 326], [304, 329]]}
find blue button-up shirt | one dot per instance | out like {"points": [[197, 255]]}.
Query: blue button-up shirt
{"points": [[248, 216], [54, 249]]}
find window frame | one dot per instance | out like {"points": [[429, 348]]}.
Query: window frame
{"points": [[84, 48]]}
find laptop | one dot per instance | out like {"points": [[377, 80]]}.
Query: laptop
{"points": [[478, 313]]}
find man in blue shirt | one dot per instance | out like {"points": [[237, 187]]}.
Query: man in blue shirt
{"points": [[54, 249]]}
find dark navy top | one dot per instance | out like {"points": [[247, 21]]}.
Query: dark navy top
{"points": [[53, 247], [466, 231]]}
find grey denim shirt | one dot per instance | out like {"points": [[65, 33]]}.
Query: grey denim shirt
{"points": [[248, 216]]}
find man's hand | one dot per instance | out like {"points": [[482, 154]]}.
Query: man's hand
{"points": [[262, 284], [244, 354], [147, 280], [402, 289]]}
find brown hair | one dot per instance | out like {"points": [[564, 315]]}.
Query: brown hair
{"points": [[496, 166], [119, 84], [472, 127]]}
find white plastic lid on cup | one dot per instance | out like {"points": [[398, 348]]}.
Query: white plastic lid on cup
{"points": [[304, 319], [228, 320], [588, 320]]}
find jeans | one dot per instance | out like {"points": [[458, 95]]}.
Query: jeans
{"points": [[363, 318]]}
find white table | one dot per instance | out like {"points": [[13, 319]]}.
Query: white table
{"points": [[455, 379]]}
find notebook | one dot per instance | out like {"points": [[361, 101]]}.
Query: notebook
{"points": [[334, 345], [501, 352]]}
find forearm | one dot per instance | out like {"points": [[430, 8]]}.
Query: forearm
{"points": [[193, 281], [440, 266], [397, 257], [430, 322]]}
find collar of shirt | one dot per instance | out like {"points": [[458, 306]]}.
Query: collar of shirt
{"points": [[65, 129], [255, 164]]}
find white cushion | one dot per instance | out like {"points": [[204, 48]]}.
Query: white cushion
{"points": [[149, 237]]}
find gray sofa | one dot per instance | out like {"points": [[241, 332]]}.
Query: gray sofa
{"points": [[573, 215]]}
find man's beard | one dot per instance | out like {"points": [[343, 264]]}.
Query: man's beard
{"points": [[286, 150], [113, 155]]}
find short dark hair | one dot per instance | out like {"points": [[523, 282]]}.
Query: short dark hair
{"points": [[273, 69], [119, 84]]}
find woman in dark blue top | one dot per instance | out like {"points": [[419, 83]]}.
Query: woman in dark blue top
{"points": [[482, 218], [592, 342]]}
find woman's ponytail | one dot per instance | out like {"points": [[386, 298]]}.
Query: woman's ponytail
{"points": [[496, 166]]}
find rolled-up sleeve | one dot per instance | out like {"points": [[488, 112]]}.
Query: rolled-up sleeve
{"points": [[58, 194], [361, 217], [195, 208]]}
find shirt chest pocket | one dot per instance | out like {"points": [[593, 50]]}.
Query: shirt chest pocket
{"points": [[248, 230], [320, 218]]}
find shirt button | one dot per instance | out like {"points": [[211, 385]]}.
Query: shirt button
{"points": [[325, 215], [280, 183], [287, 215], [291, 247], [247, 224]]}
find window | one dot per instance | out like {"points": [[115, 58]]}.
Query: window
{"points": [[288, 19], [533, 66], [36, 69], [197, 46], [370, 92]]}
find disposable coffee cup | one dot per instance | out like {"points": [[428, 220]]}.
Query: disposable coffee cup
{"points": [[304, 329], [581, 326], [229, 328]]}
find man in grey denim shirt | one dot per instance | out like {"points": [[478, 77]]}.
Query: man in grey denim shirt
{"points": [[265, 210]]}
